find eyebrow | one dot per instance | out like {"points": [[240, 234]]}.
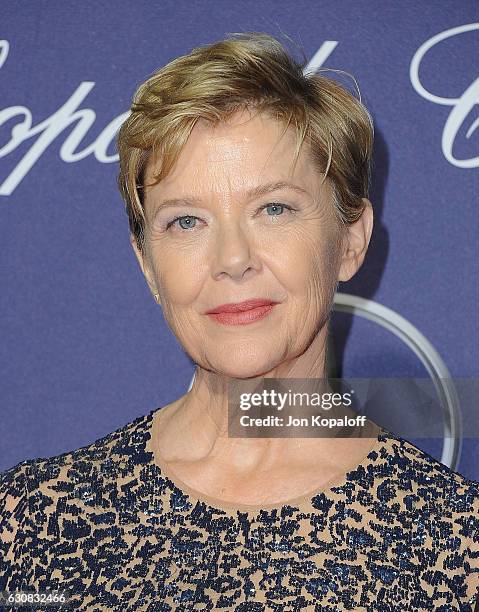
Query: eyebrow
{"points": [[255, 192]]}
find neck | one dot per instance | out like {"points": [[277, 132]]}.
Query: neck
{"points": [[196, 426]]}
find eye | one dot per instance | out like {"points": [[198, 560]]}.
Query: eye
{"points": [[188, 222], [189, 219], [277, 208]]}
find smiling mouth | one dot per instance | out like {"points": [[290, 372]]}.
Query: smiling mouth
{"points": [[241, 306], [242, 317]]}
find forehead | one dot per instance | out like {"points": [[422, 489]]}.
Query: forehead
{"points": [[239, 154]]}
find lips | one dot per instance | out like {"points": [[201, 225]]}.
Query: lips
{"points": [[241, 306], [242, 313]]}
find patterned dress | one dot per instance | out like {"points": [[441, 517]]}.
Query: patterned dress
{"points": [[106, 523]]}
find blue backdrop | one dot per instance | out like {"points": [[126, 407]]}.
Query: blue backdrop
{"points": [[84, 348]]}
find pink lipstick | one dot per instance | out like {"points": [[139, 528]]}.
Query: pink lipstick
{"points": [[242, 313]]}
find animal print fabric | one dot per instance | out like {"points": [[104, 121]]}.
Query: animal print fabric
{"points": [[399, 531]]}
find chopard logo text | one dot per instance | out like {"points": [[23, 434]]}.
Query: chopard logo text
{"points": [[70, 116]]}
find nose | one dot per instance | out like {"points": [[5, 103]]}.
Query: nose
{"points": [[234, 252]]}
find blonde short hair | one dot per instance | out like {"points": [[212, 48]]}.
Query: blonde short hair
{"points": [[250, 70]]}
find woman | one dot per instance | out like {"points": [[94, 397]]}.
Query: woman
{"points": [[246, 184]]}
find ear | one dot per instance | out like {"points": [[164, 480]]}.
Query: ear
{"points": [[356, 243], [144, 265]]}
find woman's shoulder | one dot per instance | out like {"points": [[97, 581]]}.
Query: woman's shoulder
{"points": [[111, 456], [412, 476], [49, 500], [435, 508]]}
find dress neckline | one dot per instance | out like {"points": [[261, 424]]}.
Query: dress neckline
{"points": [[303, 501]]}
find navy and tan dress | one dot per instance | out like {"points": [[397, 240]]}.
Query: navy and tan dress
{"points": [[110, 524]]}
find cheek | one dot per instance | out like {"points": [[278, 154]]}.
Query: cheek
{"points": [[179, 276], [305, 266]]}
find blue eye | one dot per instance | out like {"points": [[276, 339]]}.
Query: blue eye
{"points": [[273, 205], [189, 217], [186, 221], [277, 205]]}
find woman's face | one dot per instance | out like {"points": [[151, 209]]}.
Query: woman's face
{"points": [[233, 245]]}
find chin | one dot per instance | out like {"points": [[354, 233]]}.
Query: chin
{"points": [[244, 367]]}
